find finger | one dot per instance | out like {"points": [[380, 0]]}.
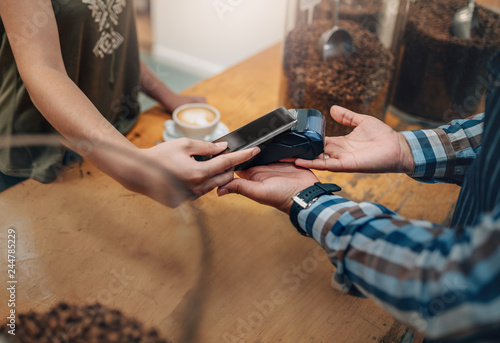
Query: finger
{"points": [[288, 160], [319, 164], [216, 181], [197, 99], [226, 161], [345, 117], [195, 147], [223, 178], [251, 173], [243, 174], [244, 187]]}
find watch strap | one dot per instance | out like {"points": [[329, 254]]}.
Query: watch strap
{"points": [[306, 198]]}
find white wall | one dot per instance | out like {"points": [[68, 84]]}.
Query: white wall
{"points": [[207, 36]]}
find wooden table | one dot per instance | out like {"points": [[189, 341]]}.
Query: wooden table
{"points": [[85, 238]]}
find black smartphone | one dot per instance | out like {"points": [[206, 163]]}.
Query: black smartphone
{"points": [[256, 132], [260, 130]]}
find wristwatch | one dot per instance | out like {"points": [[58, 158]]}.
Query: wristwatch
{"points": [[304, 199]]}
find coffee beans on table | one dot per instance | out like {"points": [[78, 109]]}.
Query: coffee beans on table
{"points": [[79, 324]]}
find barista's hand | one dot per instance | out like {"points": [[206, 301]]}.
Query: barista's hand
{"points": [[373, 147], [272, 185], [173, 161], [154, 87], [176, 100]]}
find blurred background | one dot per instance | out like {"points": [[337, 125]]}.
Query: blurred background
{"points": [[190, 40]]}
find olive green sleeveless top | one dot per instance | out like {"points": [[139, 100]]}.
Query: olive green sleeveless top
{"points": [[100, 52]]}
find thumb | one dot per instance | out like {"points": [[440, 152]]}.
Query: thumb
{"points": [[345, 117], [237, 186]]}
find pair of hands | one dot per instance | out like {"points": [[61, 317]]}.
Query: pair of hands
{"points": [[372, 147], [170, 174]]}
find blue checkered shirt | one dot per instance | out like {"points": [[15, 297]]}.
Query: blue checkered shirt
{"points": [[440, 281]]}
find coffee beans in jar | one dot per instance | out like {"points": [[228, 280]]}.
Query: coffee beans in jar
{"points": [[441, 76], [359, 82]]}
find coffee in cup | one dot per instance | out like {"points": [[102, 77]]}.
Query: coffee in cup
{"points": [[196, 116], [196, 121]]}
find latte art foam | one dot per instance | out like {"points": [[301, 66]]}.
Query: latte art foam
{"points": [[196, 116]]}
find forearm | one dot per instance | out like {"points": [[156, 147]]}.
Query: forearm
{"points": [[165, 172], [434, 279], [41, 67], [155, 88], [72, 114], [444, 154]]}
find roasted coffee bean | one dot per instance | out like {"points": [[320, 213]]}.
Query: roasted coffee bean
{"points": [[79, 324]]}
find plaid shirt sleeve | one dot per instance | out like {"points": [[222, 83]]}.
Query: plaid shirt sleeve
{"points": [[439, 281], [445, 153]]}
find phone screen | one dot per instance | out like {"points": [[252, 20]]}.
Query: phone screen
{"points": [[260, 130]]}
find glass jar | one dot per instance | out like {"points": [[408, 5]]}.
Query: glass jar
{"points": [[106, 263], [441, 76], [361, 81]]}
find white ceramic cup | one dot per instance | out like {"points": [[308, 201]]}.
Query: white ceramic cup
{"points": [[196, 121]]}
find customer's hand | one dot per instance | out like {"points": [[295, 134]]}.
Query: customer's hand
{"points": [[169, 174], [373, 147], [272, 185]]}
